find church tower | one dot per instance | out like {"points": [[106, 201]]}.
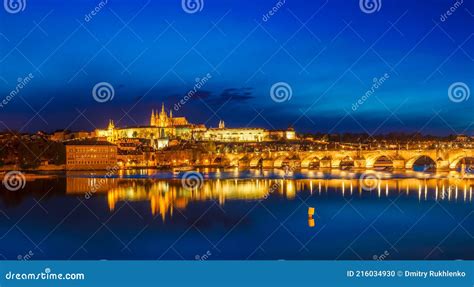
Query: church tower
{"points": [[152, 118], [111, 125], [221, 124], [163, 117]]}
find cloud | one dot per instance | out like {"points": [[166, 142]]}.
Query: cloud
{"points": [[235, 95]]}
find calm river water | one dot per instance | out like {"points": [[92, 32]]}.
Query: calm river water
{"points": [[237, 214]]}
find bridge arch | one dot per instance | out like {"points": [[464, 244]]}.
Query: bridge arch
{"points": [[291, 161], [410, 163], [464, 159], [221, 161], [279, 162], [346, 162], [256, 162], [235, 161], [311, 162], [383, 161], [243, 162]]}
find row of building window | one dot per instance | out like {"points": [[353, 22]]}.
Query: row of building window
{"points": [[75, 162], [79, 156], [95, 150]]}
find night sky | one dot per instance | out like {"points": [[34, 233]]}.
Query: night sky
{"points": [[328, 52]]}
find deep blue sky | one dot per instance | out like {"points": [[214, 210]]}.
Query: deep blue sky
{"points": [[330, 63]]}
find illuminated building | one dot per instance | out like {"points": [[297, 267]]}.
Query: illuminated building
{"points": [[162, 127], [60, 136], [90, 155], [223, 134]]}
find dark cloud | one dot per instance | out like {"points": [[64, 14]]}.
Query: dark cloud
{"points": [[233, 95], [203, 94]]}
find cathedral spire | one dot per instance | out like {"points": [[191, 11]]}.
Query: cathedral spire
{"points": [[162, 107], [152, 118]]}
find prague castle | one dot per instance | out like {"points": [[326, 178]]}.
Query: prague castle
{"points": [[163, 127]]}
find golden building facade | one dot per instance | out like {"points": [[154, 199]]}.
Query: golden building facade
{"points": [[232, 135], [90, 155], [223, 134], [162, 127]]}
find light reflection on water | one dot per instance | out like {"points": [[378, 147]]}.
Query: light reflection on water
{"points": [[240, 214], [164, 191]]}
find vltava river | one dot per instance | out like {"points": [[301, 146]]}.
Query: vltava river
{"points": [[235, 214]]}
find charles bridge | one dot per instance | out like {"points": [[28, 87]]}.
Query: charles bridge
{"points": [[440, 159]]}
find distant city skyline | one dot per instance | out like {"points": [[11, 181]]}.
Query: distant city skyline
{"points": [[329, 53]]}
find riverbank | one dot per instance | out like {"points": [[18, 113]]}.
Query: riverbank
{"points": [[49, 167]]}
